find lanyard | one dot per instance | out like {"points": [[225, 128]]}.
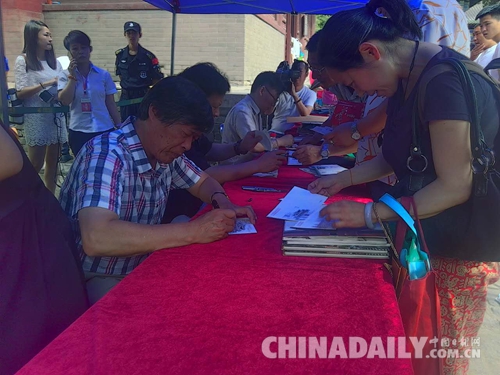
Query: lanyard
{"points": [[85, 84]]}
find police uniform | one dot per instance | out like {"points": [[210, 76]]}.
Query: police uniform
{"points": [[137, 73]]}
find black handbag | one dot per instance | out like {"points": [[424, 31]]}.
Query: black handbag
{"points": [[469, 231]]}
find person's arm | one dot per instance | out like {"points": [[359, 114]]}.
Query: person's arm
{"points": [[66, 85], [67, 94], [113, 109], [23, 90], [110, 90], [451, 155], [373, 123], [368, 171], [310, 154], [155, 69], [451, 152], [304, 109], [104, 234], [268, 162], [12, 160], [224, 151]]}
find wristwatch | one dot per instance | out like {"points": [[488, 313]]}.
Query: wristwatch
{"points": [[324, 151], [355, 132]]}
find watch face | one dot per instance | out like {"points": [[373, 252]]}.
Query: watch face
{"points": [[356, 136], [324, 152]]}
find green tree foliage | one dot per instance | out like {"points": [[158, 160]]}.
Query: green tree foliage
{"points": [[321, 20]]}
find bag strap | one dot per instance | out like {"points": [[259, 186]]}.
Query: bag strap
{"points": [[494, 64], [402, 211], [482, 157], [398, 208]]}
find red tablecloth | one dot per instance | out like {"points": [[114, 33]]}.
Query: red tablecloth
{"points": [[206, 309]]}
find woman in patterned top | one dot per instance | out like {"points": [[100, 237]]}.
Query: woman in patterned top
{"points": [[37, 72]]}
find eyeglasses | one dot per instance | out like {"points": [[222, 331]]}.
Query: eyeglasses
{"points": [[317, 70], [272, 96]]}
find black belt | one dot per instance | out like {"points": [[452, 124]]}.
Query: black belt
{"points": [[140, 90]]}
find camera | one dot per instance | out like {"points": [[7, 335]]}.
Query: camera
{"points": [[47, 97], [287, 74], [14, 102]]}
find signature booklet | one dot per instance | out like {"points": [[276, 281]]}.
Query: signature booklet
{"points": [[341, 243]]}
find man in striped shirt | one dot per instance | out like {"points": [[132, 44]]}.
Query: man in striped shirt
{"points": [[118, 186]]}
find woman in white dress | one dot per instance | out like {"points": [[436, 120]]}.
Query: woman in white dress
{"points": [[37, 72]]}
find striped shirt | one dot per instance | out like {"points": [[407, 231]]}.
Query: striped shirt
{"points": [[112, 172]]}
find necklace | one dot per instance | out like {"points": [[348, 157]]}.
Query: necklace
{"points": [[412, 65]]}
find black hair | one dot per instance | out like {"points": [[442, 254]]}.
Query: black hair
{"points": [[208, 78], [31, 30], [345, 31], [492, 10], [298, 63], [313, 44], [76, 36], [269, 79], [180, 101]]}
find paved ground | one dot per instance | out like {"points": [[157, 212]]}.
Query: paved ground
{"points": [[489, 363]]}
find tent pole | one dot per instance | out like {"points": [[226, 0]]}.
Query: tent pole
{"points": [[172, 44], [3, 81]]}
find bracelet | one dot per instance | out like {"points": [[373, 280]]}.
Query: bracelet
{"points": [[350, 175], [72, 77], [368, 215], [41, 84], [376, 214], [217, 192], [299, 100], [274, 143], [236, 147]]}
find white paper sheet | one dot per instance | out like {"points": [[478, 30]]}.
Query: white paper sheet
{"points": [[297, 205], [292, 160], [243, 226], [314, 221], [327, 170]]}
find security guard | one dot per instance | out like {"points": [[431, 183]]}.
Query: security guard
{"points": [[137, 67]]}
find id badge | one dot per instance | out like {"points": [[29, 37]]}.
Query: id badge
{"points": [[86, 105]]}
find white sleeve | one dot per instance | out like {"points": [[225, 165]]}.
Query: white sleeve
{"points": [[310, 98], [109, 85], [21, 76]]}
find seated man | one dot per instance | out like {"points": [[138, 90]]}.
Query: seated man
{"points": [[118, 186], [298, 101], [245, 116], [215, 85]]}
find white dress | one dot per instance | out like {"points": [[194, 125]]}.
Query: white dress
{"points": [[40, 129]]}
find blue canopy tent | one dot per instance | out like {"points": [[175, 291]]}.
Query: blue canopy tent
{"points": [[249, 7]]}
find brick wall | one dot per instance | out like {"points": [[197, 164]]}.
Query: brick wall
{"points": [[240, 45], [105, 29], [15, 14], [264, 46], [218, 38]]}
